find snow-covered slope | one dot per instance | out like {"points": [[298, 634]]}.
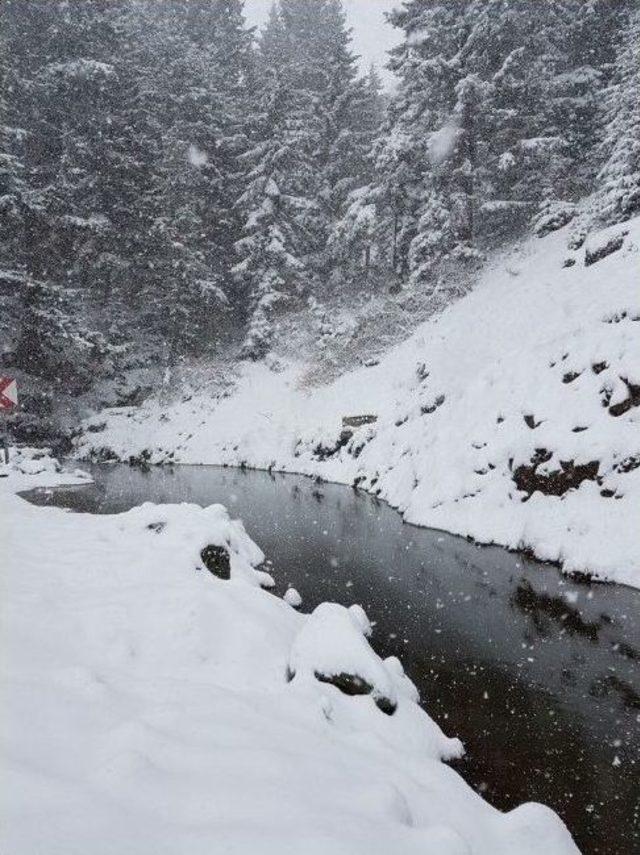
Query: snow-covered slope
{"points": [[513, 417], [150, 707]]}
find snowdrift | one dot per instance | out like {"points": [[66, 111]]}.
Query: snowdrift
{"points": [[513, 417], [151, 707]]}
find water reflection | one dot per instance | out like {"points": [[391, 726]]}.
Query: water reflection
{"points": [[539, 676]]}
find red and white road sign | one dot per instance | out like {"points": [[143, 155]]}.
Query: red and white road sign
{"points": [[8, 393]]}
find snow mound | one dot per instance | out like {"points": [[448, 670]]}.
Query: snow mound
{"points": [[332, 648], [146, 707], [190, 530], [31, 468], [293, 598], [513, 417]]}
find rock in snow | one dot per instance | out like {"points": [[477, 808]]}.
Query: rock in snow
{"points": [[523, 431], [293, 598], [146, 707], [332, 648]]}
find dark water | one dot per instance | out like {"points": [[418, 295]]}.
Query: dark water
{"points": [[539, 676]]}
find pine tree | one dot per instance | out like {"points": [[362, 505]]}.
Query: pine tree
{"points": [[13, 202], [418, 137], [485, 127], [62, 93], [590, 41], [352, 241], [618, 195], [13, 189], [523, 148], [196, 63], [279, 216]]}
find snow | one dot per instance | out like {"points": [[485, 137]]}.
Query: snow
{"points": [[31, 468], [147, 707], [442, 143], [292, 596], [196, 156], [82, 69], [543, 354]]}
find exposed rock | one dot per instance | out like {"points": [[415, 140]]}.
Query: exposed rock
{"points": [[358, 421], [628, 464], [616, 318], [324, 452], [353, 685], [349, 684], [632, 401], [157, 527], [216, 560], [104, 454], [422, 372], [597, 253], [141, 461], [556, 483], [429, 409], [577, 239], [606, 393]]}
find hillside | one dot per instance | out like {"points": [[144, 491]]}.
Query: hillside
{"points": [[512, 417]]}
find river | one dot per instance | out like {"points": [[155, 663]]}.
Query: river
{"points": [[538, 675]]}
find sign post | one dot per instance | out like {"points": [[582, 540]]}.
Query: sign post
{"points": [[8, 401]]}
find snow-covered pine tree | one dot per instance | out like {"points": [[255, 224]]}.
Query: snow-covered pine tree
{"points": [[63, 92], [617, 195], [343, 107], [196, 77], [418, 138], [280, 217], [317, 120], [351, 247], [337, 115], [13, 198], [591, 35], [522, 146], [322, 72], [231, 82], [367, 114], [485, 125]]}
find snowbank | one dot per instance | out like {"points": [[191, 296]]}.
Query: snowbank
{"points": [[513, 417], [147, 707], [31, 468]]}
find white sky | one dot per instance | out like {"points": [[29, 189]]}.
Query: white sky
{"points": [[372, 36]]}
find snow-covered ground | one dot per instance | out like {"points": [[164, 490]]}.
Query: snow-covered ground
{"points": [[513, 417], [151, 707]]}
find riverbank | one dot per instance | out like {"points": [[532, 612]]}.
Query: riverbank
{"points": [[504, 650], [511, 418], [149, 705]]}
